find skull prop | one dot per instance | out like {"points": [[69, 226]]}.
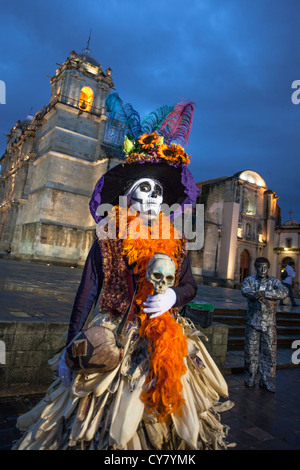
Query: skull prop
{"points": [[146, 196], [161, 272]]}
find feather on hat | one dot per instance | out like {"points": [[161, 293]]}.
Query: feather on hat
{"points": [[153, 149]]}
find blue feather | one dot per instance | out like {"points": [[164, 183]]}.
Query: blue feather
{"points": [[124, 113]]}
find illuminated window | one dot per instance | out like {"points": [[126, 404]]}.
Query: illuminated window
{"points": [[259, 233], [86, 98]]}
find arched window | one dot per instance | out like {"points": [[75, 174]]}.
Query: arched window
{"points": [[259, 233], [86, 98]]}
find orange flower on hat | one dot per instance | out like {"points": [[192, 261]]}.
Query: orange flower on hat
{"points": [[173, 153], [148, 141]]}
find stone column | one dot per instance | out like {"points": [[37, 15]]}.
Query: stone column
{"points": [[229, 240]]}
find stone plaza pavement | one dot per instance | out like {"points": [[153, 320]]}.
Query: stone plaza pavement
{"points": [[259, 420]]}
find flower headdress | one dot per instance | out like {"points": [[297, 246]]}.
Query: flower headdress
{"points": [[153, 148]]}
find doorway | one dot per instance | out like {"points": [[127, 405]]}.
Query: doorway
{"points": [[244, 265]]}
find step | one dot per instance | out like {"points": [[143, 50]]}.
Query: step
{"points": [[227, 312], [231, 319], [236, 342], [281, 330]]}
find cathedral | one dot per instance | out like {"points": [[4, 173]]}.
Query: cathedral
{"points": [[52, 163], [54, 159]]}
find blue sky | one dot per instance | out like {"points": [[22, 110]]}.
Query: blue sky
{"points": [[236, 59]]}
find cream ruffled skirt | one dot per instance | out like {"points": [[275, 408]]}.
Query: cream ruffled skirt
{"points": [[104, 411]]}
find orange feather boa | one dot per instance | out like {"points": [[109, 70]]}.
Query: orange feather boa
{"points": [[167, 343]]}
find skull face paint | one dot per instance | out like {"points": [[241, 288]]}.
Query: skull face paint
{"points": [[146, 197], [161, 272]]}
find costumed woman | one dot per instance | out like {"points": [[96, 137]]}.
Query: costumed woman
{"points": [[135, 375]]}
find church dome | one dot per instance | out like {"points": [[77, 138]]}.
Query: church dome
{"points": [[86, 55], [251, 177]]}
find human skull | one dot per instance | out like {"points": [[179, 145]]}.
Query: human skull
{"points": [[161, 272], [146, 196]]}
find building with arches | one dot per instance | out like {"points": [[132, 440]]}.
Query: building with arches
{"points": [[241, 215], [52, 163]]}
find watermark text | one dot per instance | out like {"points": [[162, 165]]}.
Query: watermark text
{"points": [[296, 354], [2, 352], [296, 94], [187, 220], [2, 92]]}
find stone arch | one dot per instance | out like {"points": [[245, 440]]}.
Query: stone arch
{"points": [[86, 98], [285, 262]]}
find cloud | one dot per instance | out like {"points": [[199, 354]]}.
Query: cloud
{"points": [[236, 59]]}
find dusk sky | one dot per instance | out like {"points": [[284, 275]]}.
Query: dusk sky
{"points": [[236, 59]]}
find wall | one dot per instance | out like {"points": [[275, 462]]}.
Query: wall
{"points": [[29, 345], [217, 335]]}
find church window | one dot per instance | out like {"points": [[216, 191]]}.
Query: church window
{"points": [[248, 230], [86, 98], [249, 205], [259, 233], [288, 243]]}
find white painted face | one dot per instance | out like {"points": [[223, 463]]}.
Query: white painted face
{"points": [[146, 197]]}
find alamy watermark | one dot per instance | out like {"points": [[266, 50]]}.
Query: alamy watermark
{"points": [[296, 354], [2, 353], [2, 92], [296, 94], [188, 222]]}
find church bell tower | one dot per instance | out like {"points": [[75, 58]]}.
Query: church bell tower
{"points": [[68, 155]]}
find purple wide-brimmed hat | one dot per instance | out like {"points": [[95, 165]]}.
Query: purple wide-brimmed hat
{"points": [[177, 181]]}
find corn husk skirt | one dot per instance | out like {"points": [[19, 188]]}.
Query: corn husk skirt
{"points": [[102, 411]]}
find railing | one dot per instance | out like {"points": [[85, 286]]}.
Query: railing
{"points": [[74, 103]]}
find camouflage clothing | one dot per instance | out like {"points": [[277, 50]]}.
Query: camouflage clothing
{"points": [[260, 335]]}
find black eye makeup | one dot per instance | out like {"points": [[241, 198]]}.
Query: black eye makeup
{"points": [[145, 187], [158, 189]]}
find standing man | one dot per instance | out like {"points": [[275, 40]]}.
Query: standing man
{"points": [[263, 292], [288, 282]]}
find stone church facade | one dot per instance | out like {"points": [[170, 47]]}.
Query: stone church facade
{"points": [[52, 163], [241, 222]]}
